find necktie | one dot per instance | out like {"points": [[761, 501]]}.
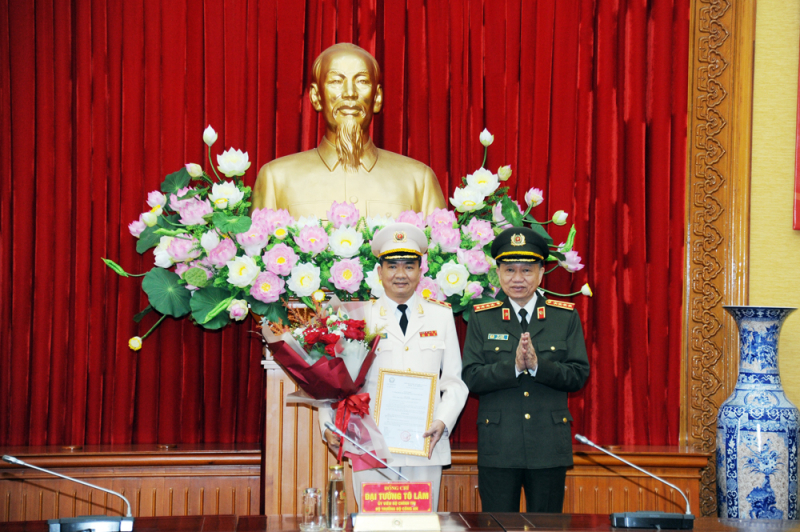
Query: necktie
{"points": [[403, 319], [522, 319]]}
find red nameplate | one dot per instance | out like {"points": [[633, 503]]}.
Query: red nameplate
{"points": [[386, 497]]}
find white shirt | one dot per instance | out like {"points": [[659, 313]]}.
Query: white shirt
{"points": [[529, 307], [392, 304]]}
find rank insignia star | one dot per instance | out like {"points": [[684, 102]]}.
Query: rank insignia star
{"points": [[506, 314]]}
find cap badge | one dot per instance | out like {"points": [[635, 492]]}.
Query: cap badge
{"points": [[399, 236], [518, 240]]}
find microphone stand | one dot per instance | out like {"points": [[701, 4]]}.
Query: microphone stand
{"points": [[94, 523], [657, 520]]}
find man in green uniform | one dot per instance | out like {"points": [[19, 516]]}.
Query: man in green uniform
{"points": [[522, 356]]}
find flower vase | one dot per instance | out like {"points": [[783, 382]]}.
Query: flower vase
{"points": [[757, 426]]}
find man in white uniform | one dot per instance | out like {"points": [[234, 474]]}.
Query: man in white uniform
{"points": [[420, 336]]}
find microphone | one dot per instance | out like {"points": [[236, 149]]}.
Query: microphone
{"points": [[658, 520], [94, 523], [333, 428]]}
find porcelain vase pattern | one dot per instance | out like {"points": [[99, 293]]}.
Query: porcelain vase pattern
{"points": [[757, 426]]}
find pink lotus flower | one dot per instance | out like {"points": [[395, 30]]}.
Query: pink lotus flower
{"points": [[429, 289], [280, 259], [474, 260], [441, 218], [343, 214], [479, 231], [136, 227], [474, 289], [175, 203], [155, 197], [184, 247], [192, 211], [254, 239], [448, 238], [347, 275], [312, 239], [267, 287], [271, 219], [572, 263], [534, 197], [423, 266], [413, 218], [224, 252]]}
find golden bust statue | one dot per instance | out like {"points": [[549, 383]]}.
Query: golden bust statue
{"points": [[346, 166]]}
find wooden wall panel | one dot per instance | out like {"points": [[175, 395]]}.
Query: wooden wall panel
{"points": [[721, 54], [199, 481]]}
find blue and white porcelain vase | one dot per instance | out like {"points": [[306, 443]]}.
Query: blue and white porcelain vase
{"points": [[757, 426]]}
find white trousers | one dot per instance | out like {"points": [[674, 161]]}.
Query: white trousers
{"points": [[432, 474]]}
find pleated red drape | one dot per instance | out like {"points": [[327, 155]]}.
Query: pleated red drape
{"points": [[99, 99]]}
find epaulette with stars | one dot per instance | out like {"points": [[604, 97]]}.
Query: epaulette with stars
{"points": [[444, 304], [560, 304], [486, 306]]}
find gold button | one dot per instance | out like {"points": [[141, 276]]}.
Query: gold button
{"points": [[497, 349], [527, 416], [565, 420], [433, 347], [353, 199], [552, 348], [526, 394], [487, 421], [406, 348]]}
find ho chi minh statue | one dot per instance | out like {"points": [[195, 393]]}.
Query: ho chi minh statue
{"points": [[346, 166]]}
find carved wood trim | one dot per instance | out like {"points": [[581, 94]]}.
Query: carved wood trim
{"points": [[717, 230]]}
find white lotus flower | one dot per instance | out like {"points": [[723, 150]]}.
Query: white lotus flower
{"points": [[233, 162], [484, 181], [534, 197], [209, 136], [378, 221], [467, 199], [304, 279], [586, 290], [163, 258], [151, 217], [504, 172], [486, 138], [156, 198], [374, 282], [560, 218], [209, 240], [242, 271], [225, 195], [345, 242], [452, 278], [306, 221]]}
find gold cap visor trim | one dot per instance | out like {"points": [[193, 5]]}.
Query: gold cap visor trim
{"points": [[516, 253]]}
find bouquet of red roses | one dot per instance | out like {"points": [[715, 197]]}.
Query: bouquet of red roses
{"points": [[328, 355]]}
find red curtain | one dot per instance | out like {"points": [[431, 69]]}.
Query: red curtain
{"points": [[99, 99]]}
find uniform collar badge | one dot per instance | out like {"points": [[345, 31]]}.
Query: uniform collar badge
{"points": [[540, 313], [506, 314]]}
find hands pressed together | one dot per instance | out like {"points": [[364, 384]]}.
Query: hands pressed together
{"points": [[526, 356]]}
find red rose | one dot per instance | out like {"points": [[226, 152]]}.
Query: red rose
{"points": [[330, 338], [312, 336], [331, 349], [354, 333]]}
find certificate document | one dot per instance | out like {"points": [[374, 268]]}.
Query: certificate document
{"points": [[404, 410]]}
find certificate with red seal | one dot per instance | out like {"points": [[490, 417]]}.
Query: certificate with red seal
{"points": [[404, 410]]}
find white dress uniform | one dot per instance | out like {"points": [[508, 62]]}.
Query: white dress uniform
{"points": [[430, 345]]}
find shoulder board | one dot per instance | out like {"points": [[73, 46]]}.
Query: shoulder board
{"points": [[440, 303], [487, 306], [560, 304]]}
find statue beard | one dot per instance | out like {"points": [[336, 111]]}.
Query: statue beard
{"points": [[350, 141]]}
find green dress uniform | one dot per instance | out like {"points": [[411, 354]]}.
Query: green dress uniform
{"points": [[524, 421]]}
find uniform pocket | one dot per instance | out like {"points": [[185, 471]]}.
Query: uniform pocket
{"points": [[497, 346], [563, 432], [488, 432], [551, 350], [431, 343]]}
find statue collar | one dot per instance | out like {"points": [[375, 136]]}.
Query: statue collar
{"points": [[327, 152]]}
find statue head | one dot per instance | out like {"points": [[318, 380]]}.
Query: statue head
{"points": [[346, 91]]}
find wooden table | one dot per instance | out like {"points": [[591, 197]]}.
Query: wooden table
{"points": [[451, 522]]}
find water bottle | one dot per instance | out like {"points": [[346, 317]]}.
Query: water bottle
{"points": [[337, 500]]}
